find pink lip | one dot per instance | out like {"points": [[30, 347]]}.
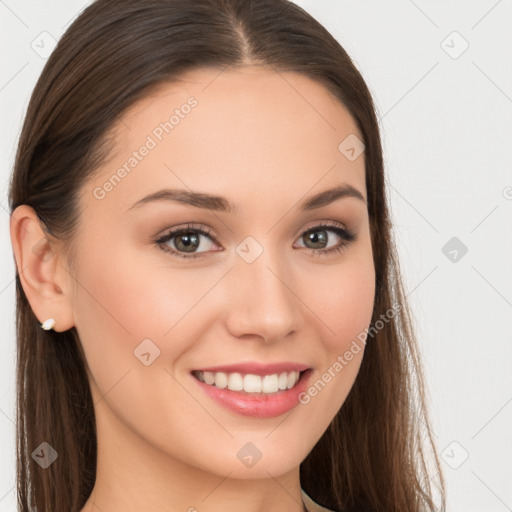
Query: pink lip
{"points": [[258, 405], [255, 368]]}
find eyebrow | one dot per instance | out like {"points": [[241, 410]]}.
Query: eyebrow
{"points": [[221, 204]]}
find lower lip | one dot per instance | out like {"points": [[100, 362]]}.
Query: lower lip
{"points": [[258, 405]]}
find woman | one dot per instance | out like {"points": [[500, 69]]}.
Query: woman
{"points": [[210, 312]]}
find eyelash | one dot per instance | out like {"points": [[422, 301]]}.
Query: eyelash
{"points": [[347, 238]]}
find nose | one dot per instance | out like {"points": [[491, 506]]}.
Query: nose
{"points": [[262, 302]]}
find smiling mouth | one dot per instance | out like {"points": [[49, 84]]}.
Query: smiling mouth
{"points": [[251, 383]]}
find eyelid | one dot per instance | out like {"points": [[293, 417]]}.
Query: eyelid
{"points": [[200, 228], [322, 223]]}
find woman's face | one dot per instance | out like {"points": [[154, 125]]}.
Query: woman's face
{"points": [[253, 282]]}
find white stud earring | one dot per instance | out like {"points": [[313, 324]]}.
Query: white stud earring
{"points": [[48, 324]]}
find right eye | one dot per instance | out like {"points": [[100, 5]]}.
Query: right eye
{"points": [[185, 241]]}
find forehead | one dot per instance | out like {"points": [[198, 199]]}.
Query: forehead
{"points": [[241, 130]]}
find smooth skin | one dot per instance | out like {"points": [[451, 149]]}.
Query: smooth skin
{"points": [[265, 141]]}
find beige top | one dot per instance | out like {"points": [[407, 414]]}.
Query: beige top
{"points": [[311, 505]]}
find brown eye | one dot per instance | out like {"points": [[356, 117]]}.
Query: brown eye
{"points": [[318, 238], [185, 242]]}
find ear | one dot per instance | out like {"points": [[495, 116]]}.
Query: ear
{"points": [[45, 280]]}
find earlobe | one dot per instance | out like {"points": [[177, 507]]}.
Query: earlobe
{"points": [[39, 265]]}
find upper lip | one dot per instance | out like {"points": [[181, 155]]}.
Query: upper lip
{"points": [[256, 368]]}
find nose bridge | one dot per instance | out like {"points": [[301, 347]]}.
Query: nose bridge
{"points": [[264, 303]]}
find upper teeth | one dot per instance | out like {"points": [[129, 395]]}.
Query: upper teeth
{"points": [[250, 383]]}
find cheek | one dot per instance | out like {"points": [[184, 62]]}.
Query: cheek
{"points": [[122, 314], [343, 305], [343, 302], [122, 303], [133, 296]]}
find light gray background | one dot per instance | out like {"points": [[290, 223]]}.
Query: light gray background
{"points": [[447, 134]]}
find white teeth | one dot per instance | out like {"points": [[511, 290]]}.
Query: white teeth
{"points": [[209, 377], [291, 380], [252, 383], [235, 382], [221, 380], [249, 383], [269, 384]]}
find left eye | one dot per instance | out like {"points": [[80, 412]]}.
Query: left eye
{"points": [[187, 240], [318, 236]]}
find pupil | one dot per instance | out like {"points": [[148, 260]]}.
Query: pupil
{"points": [[313, 237], [190, 241]]}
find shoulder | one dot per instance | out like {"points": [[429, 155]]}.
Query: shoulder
{"points": [[313, 506]]}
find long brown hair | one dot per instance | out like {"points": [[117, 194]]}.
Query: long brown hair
{"points": [[373, 455]]}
